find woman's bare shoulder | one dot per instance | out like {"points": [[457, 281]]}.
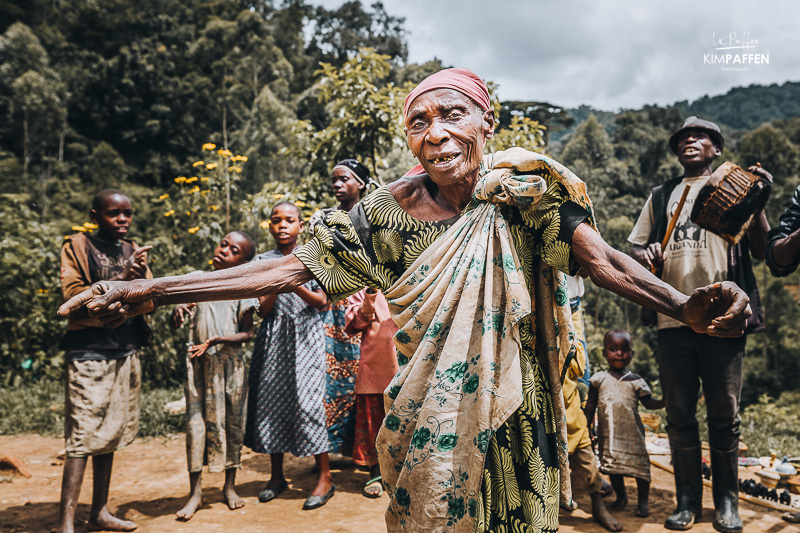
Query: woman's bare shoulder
{"points": [[414, 194], [409, 190]]}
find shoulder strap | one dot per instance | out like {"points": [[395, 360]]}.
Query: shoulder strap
{"points": [[660, 197]]}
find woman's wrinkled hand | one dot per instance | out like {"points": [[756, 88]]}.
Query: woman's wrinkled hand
{"points": [[112, 302], [720, 310]]}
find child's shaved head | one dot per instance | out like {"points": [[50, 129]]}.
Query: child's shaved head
{"points": [[248, 244], [99, 200], [610, 334], [299, 213]]}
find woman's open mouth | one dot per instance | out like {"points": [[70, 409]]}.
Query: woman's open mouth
{"points": [[444, 162]]}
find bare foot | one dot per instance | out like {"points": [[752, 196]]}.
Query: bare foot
{"points": [[792, 518], [643, 510], [620, 503], [233, 500], [601, 514], [191, 507], [105, 521]]}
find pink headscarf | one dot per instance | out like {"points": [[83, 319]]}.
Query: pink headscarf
{"points": [[462, 80]]}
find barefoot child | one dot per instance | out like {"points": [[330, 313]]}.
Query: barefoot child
{"points": [[615, 394], [285, 410], [103, 372], [215, 387]]}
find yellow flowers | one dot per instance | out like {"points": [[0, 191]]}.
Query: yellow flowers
{"points": [[87, 226], [298, 203], [213, 207], [237, 169], [209, 146], [204, 179], [242, 158], [42, 291], [211, 166], [205, 192], [194, 189], [264, 224], [169, 213], [278, 196], [192, 179], [194, 229], [163, 196], [188, 213], [180, 179], [224, 153], [198, 163]]}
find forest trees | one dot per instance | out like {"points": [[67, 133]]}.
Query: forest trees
{"points": [[122, 93]]}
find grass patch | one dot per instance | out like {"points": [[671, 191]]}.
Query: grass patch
{"points": [[773, 424], [39, 408]]}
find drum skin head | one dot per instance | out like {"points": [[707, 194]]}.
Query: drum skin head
{"points": [[730, 199]]}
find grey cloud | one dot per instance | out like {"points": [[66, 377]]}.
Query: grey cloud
{"points": [[608, 54]]}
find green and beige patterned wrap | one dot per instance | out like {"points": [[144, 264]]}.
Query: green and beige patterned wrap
{"points": [[458, 308]]}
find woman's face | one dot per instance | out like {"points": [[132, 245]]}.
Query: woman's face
{"points": [[447, 132], [345, 187]]}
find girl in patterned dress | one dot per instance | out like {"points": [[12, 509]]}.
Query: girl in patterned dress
{"points": [[287, 377]]}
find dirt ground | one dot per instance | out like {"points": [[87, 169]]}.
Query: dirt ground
{"points": [[150, 484]]}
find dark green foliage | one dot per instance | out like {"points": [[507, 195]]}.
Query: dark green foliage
{"points": [[749, 107], [39, 408], [553, 117], [123, 93]]}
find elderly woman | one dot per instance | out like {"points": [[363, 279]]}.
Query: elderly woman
{"points": [[470, 252]]}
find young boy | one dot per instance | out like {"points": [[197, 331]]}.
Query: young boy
{"points": [[215, 386], [101, 411], [616, 394]]}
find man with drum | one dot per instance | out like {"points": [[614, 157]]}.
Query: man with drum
{"points": [[694, 257], [783, 257]]}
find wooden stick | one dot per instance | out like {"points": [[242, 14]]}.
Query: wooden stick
{"points": [[673, 221]]}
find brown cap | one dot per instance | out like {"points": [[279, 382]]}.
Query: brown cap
{"points": [[694, 123]]}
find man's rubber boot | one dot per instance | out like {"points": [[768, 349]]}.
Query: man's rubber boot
{"points": [[724, 487], [688, 488]]}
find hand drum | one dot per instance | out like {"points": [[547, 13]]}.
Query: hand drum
{"points": [[727, 203]]}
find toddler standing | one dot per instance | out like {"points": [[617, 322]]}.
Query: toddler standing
{"points": [[215, 387], [615, 394]]}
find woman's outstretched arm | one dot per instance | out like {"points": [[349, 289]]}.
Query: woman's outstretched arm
{"points": [[113, 302], [720, 310]]}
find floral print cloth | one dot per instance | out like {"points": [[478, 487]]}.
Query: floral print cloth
{"points": [[475, 306]]}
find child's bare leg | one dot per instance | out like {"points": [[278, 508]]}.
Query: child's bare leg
{"points": [[601, 514], [100, 517], [276, 472], [71, 481], [195, 496], [643, 490], [233, 500], [324, 478], [618, 483], [277, 483]]}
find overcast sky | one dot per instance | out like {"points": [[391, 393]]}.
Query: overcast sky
{"points": [[608, 54]]}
